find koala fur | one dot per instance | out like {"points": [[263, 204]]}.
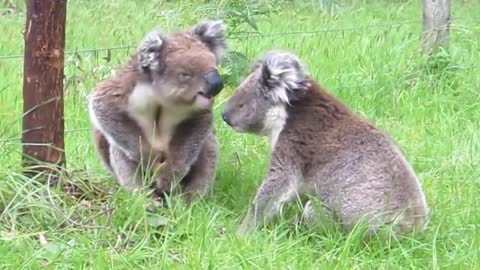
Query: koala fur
{"points": [[153, 117], [322, 150]]}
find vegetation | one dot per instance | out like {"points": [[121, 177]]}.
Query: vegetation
{"points": [[429, 105]]}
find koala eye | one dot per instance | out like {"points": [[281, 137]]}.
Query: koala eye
{"points": [[240, 105], [184, 75]]}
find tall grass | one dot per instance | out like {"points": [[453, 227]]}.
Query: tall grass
{"points": [[429, 105]]}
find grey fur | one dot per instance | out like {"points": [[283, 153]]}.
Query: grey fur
{"points": [[322, 149], [212, 33], [149, 50], [283, 76]]}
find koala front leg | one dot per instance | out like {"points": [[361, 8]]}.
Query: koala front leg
{"points": [[279, 186], [127, 171], [119, 129], [184, 150]]}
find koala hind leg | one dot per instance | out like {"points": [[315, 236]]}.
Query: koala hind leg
{"points": [[103, 147], [315, 214], [127, 171], [201, 177]]}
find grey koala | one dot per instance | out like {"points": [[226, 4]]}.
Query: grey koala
{"points": [[322, 150], [154, 118]]}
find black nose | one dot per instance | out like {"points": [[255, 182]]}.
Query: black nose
{"points": [[225, 118], [214, 83]]}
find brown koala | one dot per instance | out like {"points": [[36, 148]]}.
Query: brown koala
{"points": [[154, 116], [322, 150]]}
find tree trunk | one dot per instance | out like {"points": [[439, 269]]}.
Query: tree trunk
{"points": [[436, 24], [43, 122]]}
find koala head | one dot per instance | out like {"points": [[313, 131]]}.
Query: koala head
{"points": [[259, 104], [181, 68]]}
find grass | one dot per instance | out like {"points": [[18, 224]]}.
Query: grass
{"points": [[430, 106]]}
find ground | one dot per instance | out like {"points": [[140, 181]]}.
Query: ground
{"points": [[429, 106]]}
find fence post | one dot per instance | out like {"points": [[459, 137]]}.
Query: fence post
{"points": [[436, 24], [43, 122]]}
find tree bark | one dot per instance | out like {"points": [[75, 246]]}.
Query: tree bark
{"points": [[43, 121]]}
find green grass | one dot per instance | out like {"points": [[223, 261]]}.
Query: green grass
{"points": [[430, 107]]}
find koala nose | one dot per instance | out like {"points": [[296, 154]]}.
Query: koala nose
{"points": [[225, 117], [214, 83]]}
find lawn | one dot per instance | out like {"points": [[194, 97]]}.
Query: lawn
{"points": [[369, 57]]}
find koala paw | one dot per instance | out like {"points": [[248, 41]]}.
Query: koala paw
{"points": [[246, 227], [155, 203], [161, 188]]}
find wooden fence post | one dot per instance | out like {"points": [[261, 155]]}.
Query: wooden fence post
{"points": [[436, 24], [43, 122]]}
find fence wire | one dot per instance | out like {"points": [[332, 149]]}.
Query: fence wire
{"points": [[242, 36], [248, 35]]}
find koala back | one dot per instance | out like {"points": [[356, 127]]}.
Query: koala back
{"points": [[355, 168]]}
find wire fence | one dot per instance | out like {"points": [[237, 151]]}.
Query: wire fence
{"points": [[242, 36], [248, 35]]}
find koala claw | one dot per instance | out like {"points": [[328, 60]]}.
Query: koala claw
{"points": [[245, 227], [161, 187], [156, 190]]}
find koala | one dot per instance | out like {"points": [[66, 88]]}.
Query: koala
{"points": [[321, 150], [154, 116]]}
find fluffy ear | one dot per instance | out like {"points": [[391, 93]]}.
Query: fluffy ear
{"points": [[212, 34], [283, 76], [148, 52]]}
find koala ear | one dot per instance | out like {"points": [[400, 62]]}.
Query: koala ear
{"points": [[266, 74], [283, 76], [148, 52], [212, 34]]}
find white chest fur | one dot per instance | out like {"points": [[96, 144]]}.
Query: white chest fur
{"points": [[275, 120], [143, 107]]}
